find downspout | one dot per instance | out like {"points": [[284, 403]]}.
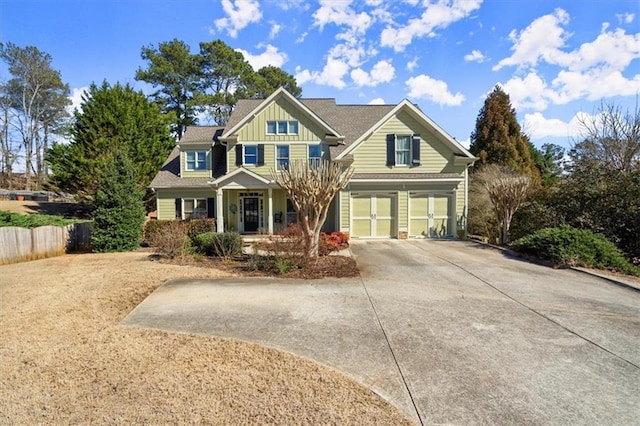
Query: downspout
{"points": [[466, 199]]}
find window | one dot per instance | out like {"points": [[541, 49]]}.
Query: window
{"points": [[282, 157], [194, 208], [403, 150], [292, 215], [250, 154], [315, 155], [196, 160], [282, 127]]}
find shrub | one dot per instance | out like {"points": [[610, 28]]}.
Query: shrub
{"points": [[32, 220], [200, 226], [226, 244], [575, 247], [119, 212], [332, 242], [169, 237]]}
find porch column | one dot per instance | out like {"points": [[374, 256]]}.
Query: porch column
{"points": [[270, 212], [219, 211]]}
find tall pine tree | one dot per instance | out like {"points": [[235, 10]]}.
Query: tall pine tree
{"points": [[498, 139]]}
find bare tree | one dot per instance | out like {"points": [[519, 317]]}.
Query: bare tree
{"points": [[611, 138], [506, 190], [311, 190]]}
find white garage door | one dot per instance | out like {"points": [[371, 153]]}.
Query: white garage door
{"points": [[373, 215], [430, 215]]}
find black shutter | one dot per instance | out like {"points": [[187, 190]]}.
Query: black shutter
{"points": [[261, 155], [238, 155], [210, 208], [415, 151], [391, 150], [178, 208]]}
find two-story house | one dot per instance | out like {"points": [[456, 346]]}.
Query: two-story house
{"points": [[410, 177]]}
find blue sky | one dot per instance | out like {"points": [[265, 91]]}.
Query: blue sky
{"points": [[557, 59]]}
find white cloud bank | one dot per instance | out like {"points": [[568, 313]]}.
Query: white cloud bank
{"points": [[437, 91], [76, 99], [270, 56], [382, 72], [475, 56], [539, 127]]}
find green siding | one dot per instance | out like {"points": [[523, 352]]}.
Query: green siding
{"points": [[282, 109], [435, 157], [166, 199], [194, 173]]}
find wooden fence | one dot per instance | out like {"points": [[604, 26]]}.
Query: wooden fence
{"points": [[21, 244]]}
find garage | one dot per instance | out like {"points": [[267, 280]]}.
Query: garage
{"points": [[373, 215], [430, 215]]}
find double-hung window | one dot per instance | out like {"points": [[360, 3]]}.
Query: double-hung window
{"points": [[196, 160], [282, 157], [315, 155], [292, 215], [194, 208], [282, 127], [250, 154], [403, 150]]}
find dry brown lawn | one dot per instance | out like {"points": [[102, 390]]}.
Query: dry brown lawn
{"points": [[64, 360]]}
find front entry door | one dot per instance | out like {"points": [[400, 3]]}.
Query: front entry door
{"points": [[250, 214]]}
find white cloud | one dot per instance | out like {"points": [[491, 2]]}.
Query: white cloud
{"points": [[76, 99], [529, 92], [331, 75], [594, 84], [382, 72], [275, 29], [425, 87], [291, 4], [270, 56], [542, 39], [625, 18], [301, 38], [377, 101], [341, 14], [411, 65], [474, 56], [239, 14], [539, 127], [435, 16], [613, 50]]}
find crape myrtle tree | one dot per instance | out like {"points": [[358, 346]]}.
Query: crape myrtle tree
{"points": [[119, 212], [311, 190], [34, 102], [111, 118]]}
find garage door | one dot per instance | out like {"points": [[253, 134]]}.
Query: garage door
{"points": [[430, 215], [373, 215]]}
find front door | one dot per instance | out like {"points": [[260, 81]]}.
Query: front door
{"points": [[250, 214]]}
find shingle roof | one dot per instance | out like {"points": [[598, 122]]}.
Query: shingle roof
{"points": [[200, 134]]}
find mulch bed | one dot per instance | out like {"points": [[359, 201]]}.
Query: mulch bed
{"points": [[324, 267]]}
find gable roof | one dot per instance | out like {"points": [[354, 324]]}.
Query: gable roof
{"points": [[247, 109], [418, 115], [169, 174], [201, 135]]}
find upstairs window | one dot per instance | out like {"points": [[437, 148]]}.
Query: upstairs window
{"points": [[282, 127], [315, 155], [403, 150], [250, 155], [282, 157], [196, 160]]}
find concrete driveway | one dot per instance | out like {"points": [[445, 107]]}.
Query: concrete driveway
{"points": [[448, 331]]}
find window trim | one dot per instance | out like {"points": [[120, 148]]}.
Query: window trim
{"points": [[278, 158], [288, 126], [244, 155], [409, 139], [196, 160], [195, 201], [318, 159]]}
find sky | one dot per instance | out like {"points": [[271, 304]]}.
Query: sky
{"points": [[558, 60]]}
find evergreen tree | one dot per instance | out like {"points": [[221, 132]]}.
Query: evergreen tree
{"points": [[498, 139], [111, 118], [119, 213], [268, 79]]}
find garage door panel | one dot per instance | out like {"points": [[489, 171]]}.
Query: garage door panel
{"points": [[373, 215], [440, 205], [361, 206], [419, 205], [384, 228], [419, 227], [430, 215], [440, 228], [384, 206], [361, 228]]}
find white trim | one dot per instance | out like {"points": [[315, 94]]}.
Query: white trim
{"points": [[400, 181], [275, 164], [196, 151], [240, 170]]}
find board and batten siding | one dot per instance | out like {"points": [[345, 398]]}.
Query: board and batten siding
{"points": [[281, 110], [166, 199], [435, 157]]}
